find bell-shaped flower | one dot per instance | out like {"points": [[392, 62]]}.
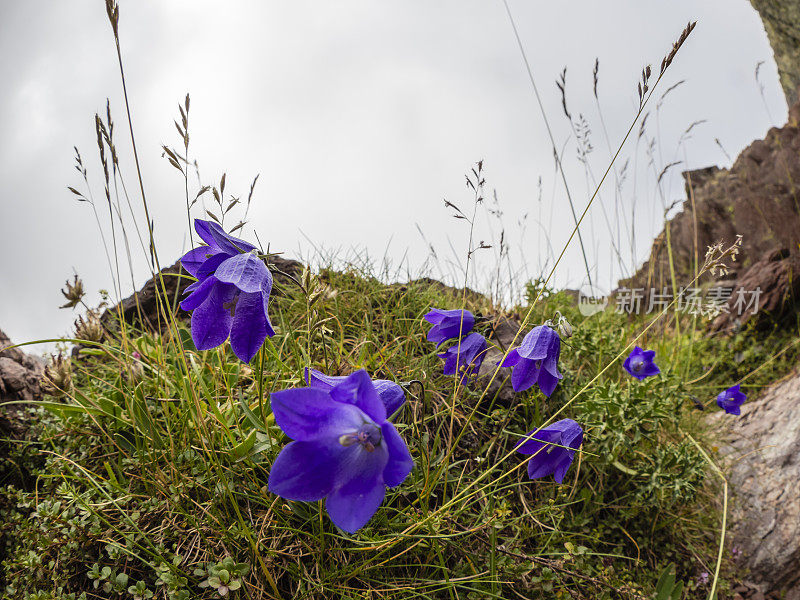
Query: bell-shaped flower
{"points": [[204, 260], [465, 356], [231, 296], [390, 393], [448, 324], [536, 361], [344, 449], [731, 400], [553, 448], [640, 363]]}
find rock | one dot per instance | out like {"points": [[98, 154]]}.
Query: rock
{"points": [[19, 373], [502, 333], [756, 197], [762, 451], [781, 20], [777, 279], [142, 308]]}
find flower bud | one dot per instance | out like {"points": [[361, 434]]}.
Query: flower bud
{"points": [[564, 328]]}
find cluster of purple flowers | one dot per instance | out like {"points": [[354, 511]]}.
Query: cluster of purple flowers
{"points": [[535, 361], [640, 364], [466, 356], [344, 449]]}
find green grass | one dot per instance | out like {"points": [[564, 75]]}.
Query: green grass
{"points": [[157, 476]]}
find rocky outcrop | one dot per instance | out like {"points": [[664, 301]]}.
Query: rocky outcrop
{"points": [[19, 373], [777, 278], [758, 197], [781, 20], [762, 449]]}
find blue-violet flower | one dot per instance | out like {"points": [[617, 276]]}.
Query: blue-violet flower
{"points": [[465, 356], [447, 324], [344, 449], [231, 295], [390, 393], [731, 400], [640, 363], [536, 361], [549, 458]]}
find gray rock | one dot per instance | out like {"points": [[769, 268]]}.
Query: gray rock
{"points": [[502, 333], [762, 451], [19, 373]]}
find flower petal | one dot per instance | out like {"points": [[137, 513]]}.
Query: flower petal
{"points": [[435, 316], [400, 461], [192, 260], [524, 375], [389, 392], [561, 465], [547, 383], [213, 235], [359, 390], [318, 379], [211, 321], [249, 329], [211, 264], [541, 465], [351, 510], [537, 344], [539, 440], [305, 471], [246, 271], [200, 291], [359, 487], [511, 359], [307, 414]]}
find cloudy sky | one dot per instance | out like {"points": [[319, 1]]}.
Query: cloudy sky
{"points": [[360, 118]]}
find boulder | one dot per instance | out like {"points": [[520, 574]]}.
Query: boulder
{"points": [[762, 452], [19, 373]]}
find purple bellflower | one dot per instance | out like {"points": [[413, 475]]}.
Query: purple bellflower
{"points": [[731, 400], [640, 363], [344, 449], [549, 458], [447, 324], [390, 393], [231, 294], [536, 361], [472, 352]]}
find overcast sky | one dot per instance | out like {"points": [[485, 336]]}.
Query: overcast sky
{"points": [[360, 118]]}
